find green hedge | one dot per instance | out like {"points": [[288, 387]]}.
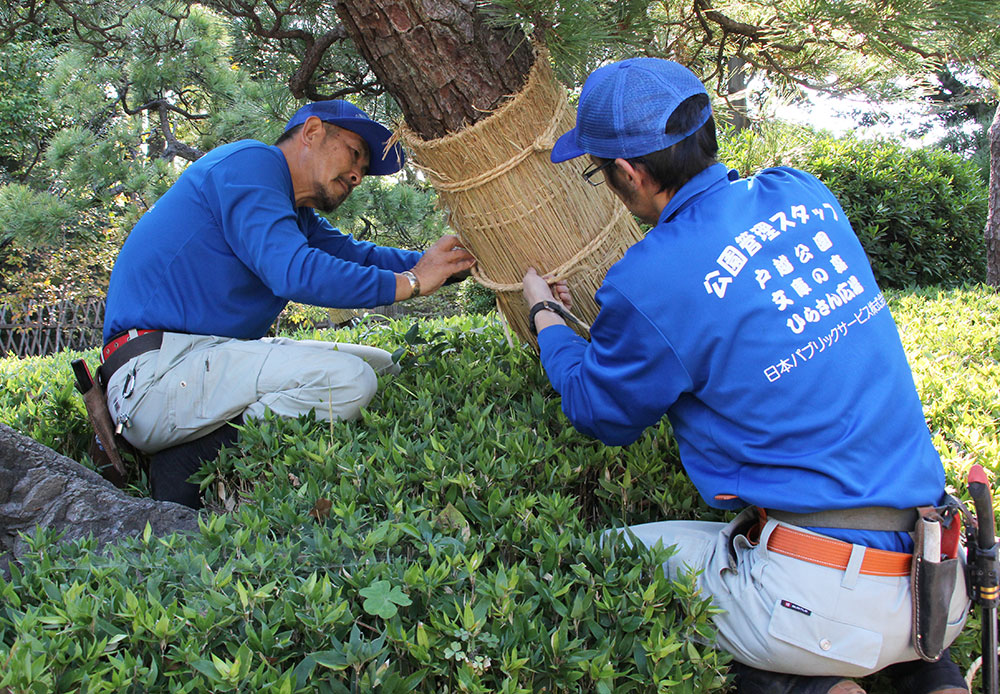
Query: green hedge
{"points": [[448, 541], [920, 214], [38, 399]]}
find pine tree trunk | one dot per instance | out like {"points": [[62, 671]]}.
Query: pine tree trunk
{"points": [[452, 73], [736, 114], [993, 218], [445, 66]]}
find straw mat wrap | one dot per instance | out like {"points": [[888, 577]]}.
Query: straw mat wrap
{"points": [[515, 209]]}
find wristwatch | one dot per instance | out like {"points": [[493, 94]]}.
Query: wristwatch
{"points": [[556, 308], [414, 283]]}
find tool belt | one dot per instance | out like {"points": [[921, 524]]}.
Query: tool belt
{"points": [[933, 567], [865, 518], [123, 347], [106, 446]]}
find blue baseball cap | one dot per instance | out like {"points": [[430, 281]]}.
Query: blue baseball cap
{"points": [[624, 109], [350, 117]]}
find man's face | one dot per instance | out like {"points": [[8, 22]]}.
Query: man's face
{"points": [[613, 177], [638, 203], [339, 164]]}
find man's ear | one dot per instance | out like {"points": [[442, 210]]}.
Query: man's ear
{"points": [[630, 173], [313, 131]]}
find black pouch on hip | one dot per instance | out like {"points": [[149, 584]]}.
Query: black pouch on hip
{"points": [[933, 576]]}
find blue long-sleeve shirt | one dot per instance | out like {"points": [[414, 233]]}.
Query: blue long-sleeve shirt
{"points": [[225, 249], [749, 315]]}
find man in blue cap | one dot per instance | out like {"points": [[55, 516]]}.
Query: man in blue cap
{"points": [[208, 268], [750, 317]]}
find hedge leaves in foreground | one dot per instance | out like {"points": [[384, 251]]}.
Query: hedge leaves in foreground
{"points": [[448, 541]]}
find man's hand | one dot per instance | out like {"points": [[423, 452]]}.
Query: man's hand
{"points": [[445, 258], [537, 288]]}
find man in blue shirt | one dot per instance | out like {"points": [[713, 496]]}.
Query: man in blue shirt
{"points": [[208, 268], [750, 317]]}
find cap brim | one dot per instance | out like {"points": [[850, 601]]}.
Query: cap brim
{"points": [[566, 148], [376, 135]]}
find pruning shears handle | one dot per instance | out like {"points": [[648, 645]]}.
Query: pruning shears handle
{"points": [[983, 572], [979, 490], [84, 381]]}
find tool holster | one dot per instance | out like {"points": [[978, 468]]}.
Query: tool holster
{"points": [[105, 446], [933, 576]]}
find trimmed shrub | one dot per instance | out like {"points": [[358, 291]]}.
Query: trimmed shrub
{"points": [[37, 398], [448, 541], [919, 214], [476, 299]]}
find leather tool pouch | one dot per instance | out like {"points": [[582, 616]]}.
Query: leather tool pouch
{"points": [[105, 446], [933, 576]]}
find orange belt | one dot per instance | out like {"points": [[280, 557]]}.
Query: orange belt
{"points": [[827, 551]]}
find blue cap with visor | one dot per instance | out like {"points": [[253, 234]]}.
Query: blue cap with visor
{"points": [[624, 108], [348, 116]]}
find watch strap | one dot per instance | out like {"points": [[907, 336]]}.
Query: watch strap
{"points": [[556, 308]]}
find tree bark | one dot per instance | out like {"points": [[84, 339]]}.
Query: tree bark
{"points": [[993, 218], [737, 69], [444, 64], [452, 72]]}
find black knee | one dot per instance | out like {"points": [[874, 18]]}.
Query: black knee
{"points": [[750, 680], [921, 677], [170, 468]]}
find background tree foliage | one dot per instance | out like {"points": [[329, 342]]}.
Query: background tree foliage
{"points": [[102, 104]]}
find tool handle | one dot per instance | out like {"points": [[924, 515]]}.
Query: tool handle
{"points": [[979, 490], [84, 381]]}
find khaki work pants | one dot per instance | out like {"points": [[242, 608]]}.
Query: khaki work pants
{"points": [[788, 615], [194, 384]]}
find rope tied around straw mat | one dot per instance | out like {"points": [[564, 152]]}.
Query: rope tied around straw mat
{"points": [[565, 269], [542, 143]]}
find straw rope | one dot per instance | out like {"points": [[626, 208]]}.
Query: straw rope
{"points": [[513, 209], [544, 142], [565, 270]]}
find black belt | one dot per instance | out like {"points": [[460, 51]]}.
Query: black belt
{"points": [[866, 518], [131, 349]]}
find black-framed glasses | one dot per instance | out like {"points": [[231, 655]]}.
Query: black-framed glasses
{"points": [[594, 174]]}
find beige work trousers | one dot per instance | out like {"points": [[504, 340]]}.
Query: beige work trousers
{"points": [[788, 615], [194, 384]]}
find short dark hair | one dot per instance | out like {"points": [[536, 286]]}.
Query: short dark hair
{"points": [[330, 127], [287, 134], [676, 165]]}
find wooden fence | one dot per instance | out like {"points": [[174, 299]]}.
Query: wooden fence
{"points": [[36, 329]]}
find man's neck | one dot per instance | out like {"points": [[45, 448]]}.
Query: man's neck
{"points": [[293, 158]]}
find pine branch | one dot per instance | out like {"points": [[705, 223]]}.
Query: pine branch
{"points": [[300, 82], [174, 146]]}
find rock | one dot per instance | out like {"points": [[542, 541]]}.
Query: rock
{"points": [[39, 487]]}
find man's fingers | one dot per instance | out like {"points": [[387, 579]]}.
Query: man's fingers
{"points": [[462, 258]]}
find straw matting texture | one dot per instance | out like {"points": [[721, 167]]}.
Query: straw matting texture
{"points": [[515, 209]]}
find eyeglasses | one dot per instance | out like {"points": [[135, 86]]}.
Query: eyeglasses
{"points": [[594, 174]]}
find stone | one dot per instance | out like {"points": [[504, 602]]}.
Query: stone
{"points": [[40, 487]]}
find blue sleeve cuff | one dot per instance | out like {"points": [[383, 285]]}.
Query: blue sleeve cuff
{"points": [[386, 287], [554, 335]]}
